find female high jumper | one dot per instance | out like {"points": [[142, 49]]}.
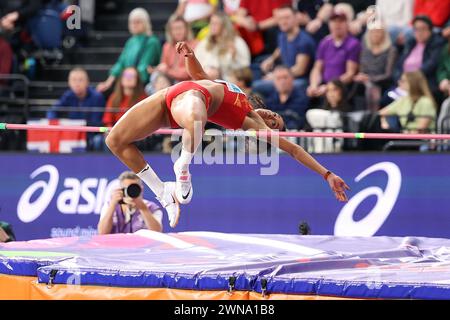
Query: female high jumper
{"points": [[189, 105]]}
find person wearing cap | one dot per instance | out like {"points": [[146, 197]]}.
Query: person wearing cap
{"points": [[337, 56], [421, 52]]}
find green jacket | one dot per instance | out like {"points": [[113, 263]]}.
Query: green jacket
{"points": [[150, 55], [444, 65]]}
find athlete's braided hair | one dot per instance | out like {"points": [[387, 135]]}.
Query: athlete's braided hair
{"points": [[256, 101]]}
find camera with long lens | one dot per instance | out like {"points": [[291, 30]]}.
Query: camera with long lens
{"points": [[134, 190]]}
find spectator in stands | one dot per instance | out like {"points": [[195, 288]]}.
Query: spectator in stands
{"points": [[445, 33], [355, 27], [358, 6], [417, 111], [443, 124], [397, 15], [122, 214], [143, 49], [158, 82], [290, 103], [6, 59], [330, 116], [311, 18], [196, 12], [421, 52], [337, 56], [296, 49], [172, 64], [377, 63], [128, 91], [437, 10], [14, 14], [6, 232], [443, 73], [222, 50], [257, 24], [243, 78], [443, 77], [354, 9], [336, 97], [231, 7], [394, 94], [81, 95], [335, 100]]}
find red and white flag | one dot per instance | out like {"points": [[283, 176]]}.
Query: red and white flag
{"points": [[56, 141]]}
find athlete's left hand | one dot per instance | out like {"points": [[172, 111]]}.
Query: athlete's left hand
{"points": [[338, 186], [183, 48]]}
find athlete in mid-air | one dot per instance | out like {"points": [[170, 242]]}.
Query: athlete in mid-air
{"points": [[189, 105]]}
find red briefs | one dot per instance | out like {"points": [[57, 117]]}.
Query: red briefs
{"points": [[230, 114]]}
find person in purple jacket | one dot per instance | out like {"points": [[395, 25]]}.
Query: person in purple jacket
{"points": [[337, 56], [127, 215]]}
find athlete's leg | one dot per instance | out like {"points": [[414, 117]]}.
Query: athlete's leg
{"points": [[189, 111], [139, 122]]}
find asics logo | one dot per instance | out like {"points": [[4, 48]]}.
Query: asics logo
{"points": [[28, 211], [347, 226], [85, 196]]}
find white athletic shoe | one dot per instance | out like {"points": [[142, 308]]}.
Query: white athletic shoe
{"points": [[183, 187], [169, 201]]}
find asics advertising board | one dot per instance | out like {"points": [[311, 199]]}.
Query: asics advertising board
{"points": [[45, 196]]}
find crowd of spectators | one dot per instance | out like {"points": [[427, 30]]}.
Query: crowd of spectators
{"points": [[313, 61]]}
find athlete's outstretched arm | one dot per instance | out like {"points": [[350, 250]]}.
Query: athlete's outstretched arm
{"points": [[193, 67], [254, 121]]}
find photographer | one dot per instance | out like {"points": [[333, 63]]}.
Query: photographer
{"points": [[127, 211]]}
